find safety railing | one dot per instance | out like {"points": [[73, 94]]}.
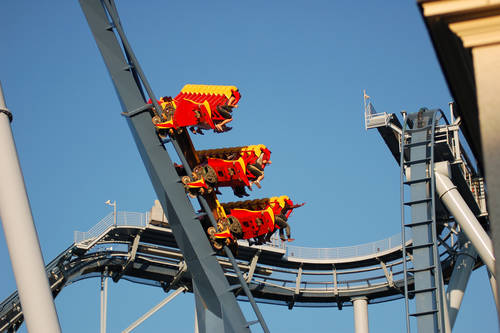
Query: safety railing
{"points": [[345, 251], [130, 219], [374, 119], [142, 219]]}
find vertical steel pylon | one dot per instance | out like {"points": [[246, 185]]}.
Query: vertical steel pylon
{"points": [[128, 79], [417, 172]]}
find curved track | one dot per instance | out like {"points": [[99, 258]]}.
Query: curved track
{"points": [[143, 250]]}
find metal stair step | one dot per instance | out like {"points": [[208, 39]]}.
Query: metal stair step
{"points": [[416, 144], [419, 291], [422, 160], [423, 313], [417, 223], [418, 180], [414, 202], [419, 246], [416, 270]]}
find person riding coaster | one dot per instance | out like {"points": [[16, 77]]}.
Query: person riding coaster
{"points": [[198, 107], [237, 167], [253, 220]]}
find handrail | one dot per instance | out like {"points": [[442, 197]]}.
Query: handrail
{"points": [[129, 219], [135, 219]]}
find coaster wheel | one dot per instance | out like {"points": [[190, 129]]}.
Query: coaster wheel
{"points": [[211, 232], [156, 120], [198, 171], [185, 180], [210, 175], [235, 226]]}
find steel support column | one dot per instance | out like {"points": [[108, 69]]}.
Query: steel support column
{"points": [[460, 277], [360, 305], [206, 320], [104, 302], [21, 237]]}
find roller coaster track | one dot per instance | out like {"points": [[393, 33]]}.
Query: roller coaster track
{"points": [[142, 249]]}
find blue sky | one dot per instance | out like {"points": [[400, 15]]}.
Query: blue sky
{"points": [[301, 67]]}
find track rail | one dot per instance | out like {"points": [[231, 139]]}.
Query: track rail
{"points": [[273, 275]]}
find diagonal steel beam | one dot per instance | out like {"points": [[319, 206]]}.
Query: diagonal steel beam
{"points": [[189, 235]]}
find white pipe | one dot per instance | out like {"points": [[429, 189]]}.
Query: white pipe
{"points": [[463, 215], [103, 303], [360, 305], [105, 315], [446, 309], [459, 278], [22, 240]]}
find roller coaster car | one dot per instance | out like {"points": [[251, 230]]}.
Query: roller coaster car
{"points": [[251, 219], [196, 106], [227, 167]]}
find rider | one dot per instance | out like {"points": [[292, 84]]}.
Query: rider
{"points": [[225, 111], [257, 169]]}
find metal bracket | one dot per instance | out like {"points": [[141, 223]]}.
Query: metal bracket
{"points": [[253, 265], [388, 275], [335, 282], [133, 252], [251, 270], [144, 108], [451, 251], [182, 269], [297, 288]]}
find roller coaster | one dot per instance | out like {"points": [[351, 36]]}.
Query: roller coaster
{"points": [[230, 252]]}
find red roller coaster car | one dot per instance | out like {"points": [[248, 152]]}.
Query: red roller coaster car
{"points": [[228, 167], [253, 219], [199, 107]]}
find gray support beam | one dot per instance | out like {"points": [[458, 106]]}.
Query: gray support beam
{"points": [[20, 234], [459, 278], [206, 320], [468, 222], [213, 287], [360, 306], [154, 309]]}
